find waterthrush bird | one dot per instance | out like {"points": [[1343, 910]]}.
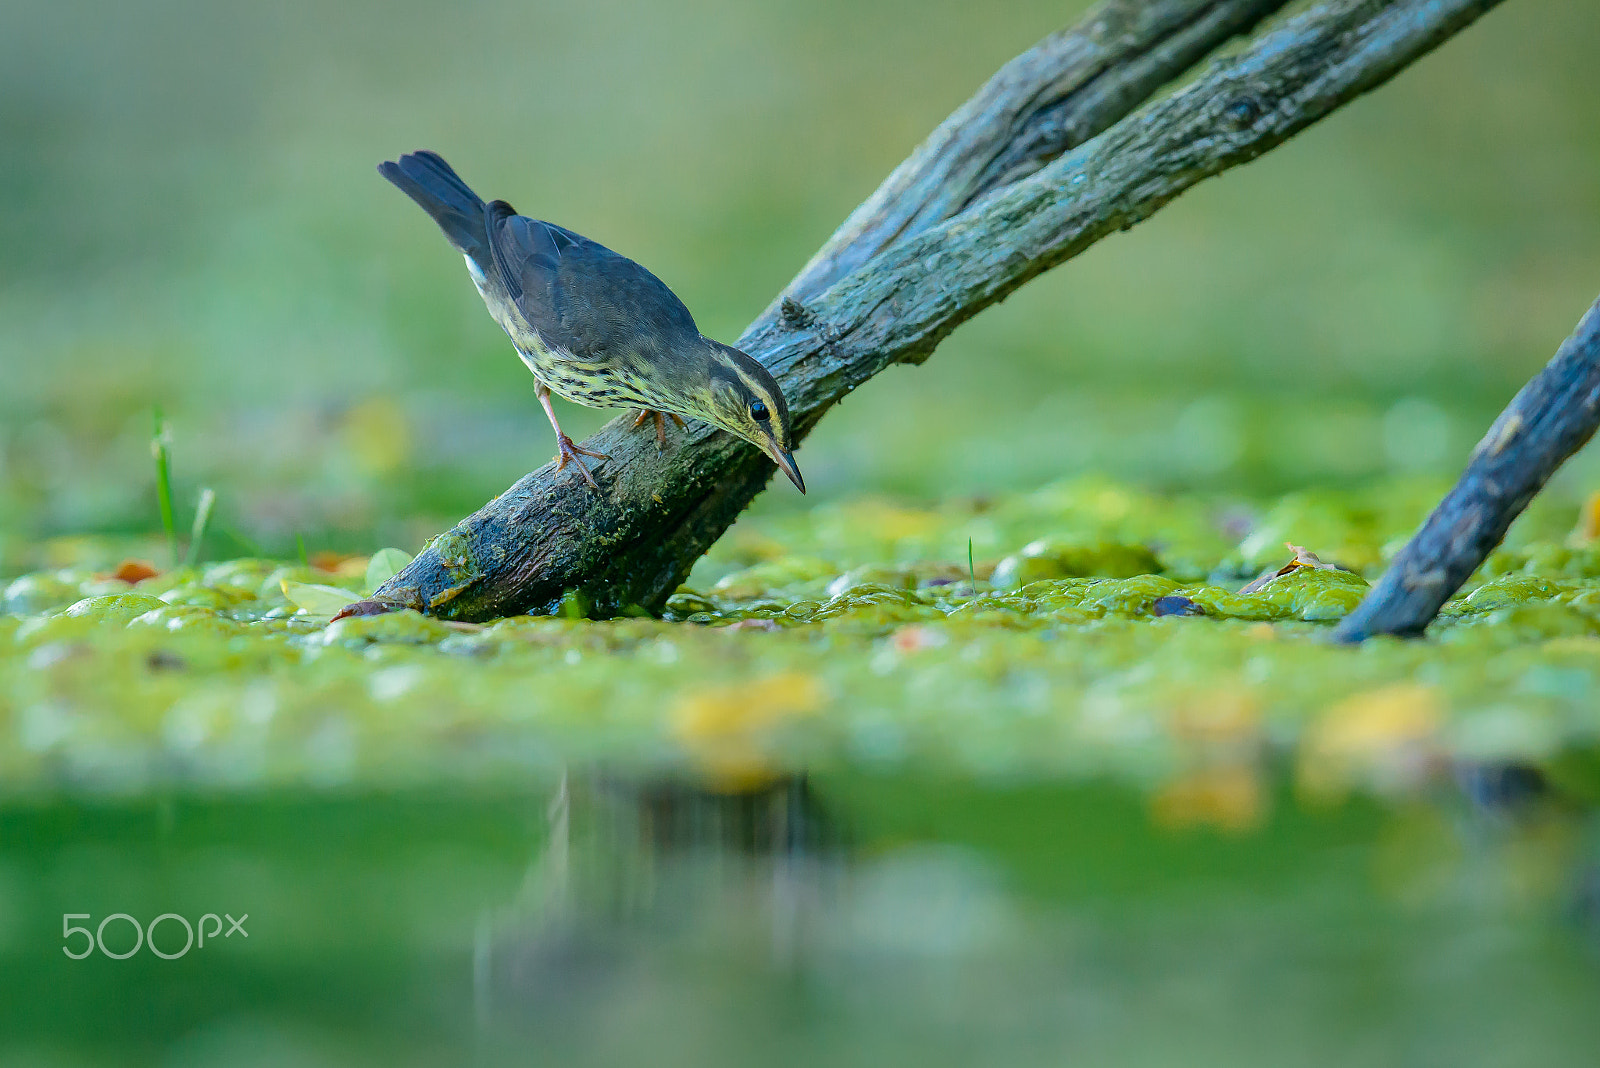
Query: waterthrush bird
{"points": [[595, 327]]}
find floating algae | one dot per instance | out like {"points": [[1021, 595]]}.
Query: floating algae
{"points": [[1102, 631]]}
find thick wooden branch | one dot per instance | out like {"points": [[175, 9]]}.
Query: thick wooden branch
{"points": [[1055, 96], [1549, 420], [633, 542]]}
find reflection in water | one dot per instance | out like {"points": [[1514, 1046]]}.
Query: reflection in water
{"points": [[829, 919], [659, 857], [953, 924]]}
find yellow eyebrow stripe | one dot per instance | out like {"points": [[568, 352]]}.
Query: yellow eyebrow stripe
{"points": [[755, 387]]}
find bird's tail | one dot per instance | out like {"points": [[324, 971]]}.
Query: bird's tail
{"points": [[426, 178]]}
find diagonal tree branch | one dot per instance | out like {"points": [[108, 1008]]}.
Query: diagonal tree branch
{"points": [[923, 271], [1546, 422], [1071, 86]]}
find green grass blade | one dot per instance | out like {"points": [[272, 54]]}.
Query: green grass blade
{"points": [[202, 520], [158, 449]]}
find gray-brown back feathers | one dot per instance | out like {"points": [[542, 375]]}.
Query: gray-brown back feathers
{"points": [[583, 298]]}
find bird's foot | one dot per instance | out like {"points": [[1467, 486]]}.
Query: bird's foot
{"points": [[661, 423], [568, 452]]}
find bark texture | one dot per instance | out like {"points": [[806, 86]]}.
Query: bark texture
{"points": [[1045, 160], [1071, 86], [1549, 420]]}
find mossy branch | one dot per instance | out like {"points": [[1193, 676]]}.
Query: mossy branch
{"points": [[1047, 159]]}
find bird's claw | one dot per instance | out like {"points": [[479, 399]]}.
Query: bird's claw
{"points": [[567, 452]]}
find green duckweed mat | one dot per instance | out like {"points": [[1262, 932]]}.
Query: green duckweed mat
{"points": [[1086, 629]]}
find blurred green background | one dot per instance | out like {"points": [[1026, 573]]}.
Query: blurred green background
{"points": [[190, 217]]}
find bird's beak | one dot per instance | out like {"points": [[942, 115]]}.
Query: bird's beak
{"points": [[785, 461]]}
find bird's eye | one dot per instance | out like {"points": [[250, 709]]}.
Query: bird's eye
{"points": [[758, 412]]}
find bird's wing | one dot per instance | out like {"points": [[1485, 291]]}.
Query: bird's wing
{"points": [[579, 295]]}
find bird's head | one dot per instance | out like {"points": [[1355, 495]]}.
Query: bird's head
{"points": [[745, 399]]}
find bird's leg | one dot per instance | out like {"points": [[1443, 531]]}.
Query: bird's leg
{"points": [[661, 431], [565, 449], [661, 423]]}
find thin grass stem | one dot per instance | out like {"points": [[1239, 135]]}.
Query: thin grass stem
{"points": [[163, 458], [202, 520]]}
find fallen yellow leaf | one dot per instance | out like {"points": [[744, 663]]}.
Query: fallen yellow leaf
{"points": [[1229, 798], [1383, 737], [721, 726]]}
